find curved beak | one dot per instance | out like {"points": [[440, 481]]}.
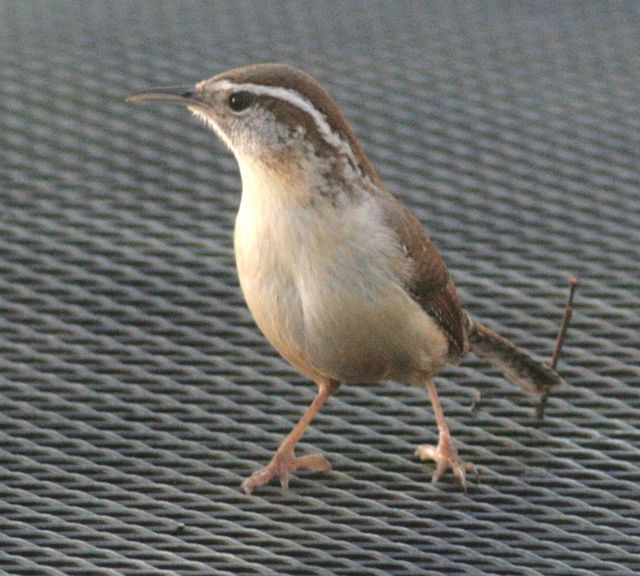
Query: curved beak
{"points": [[185, 95]]}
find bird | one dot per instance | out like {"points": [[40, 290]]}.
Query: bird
{"points": [[339, 275]]}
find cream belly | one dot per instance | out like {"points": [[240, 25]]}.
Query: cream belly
{"points": [[330, 305]]}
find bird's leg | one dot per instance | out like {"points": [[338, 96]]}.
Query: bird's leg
{"points": [[284, 460], [445, 454]]}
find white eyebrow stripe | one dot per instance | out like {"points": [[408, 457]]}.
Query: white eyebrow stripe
{"points": [[296, 99]]}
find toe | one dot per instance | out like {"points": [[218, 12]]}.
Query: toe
{"points": [[470, 467], [254, 481], [441, 468], [425, 452], [263, 476], [445, 456], [315, 462], [281, 466], [284, 481], [458, 469]]}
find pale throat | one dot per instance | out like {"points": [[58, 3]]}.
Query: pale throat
{"points": [[271, 180]]}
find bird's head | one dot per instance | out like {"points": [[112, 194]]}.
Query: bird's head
{"points": [[272, 114]]}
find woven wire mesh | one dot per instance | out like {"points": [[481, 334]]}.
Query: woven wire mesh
{"points": [[136, 392]]}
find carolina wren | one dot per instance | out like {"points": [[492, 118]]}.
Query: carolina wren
{"points": [[339, 275]]}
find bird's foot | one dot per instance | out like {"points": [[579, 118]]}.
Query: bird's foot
{"points": [[445, 456], [281, 466]]}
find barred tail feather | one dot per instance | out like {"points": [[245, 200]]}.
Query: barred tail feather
{"points": [[513, 362]]}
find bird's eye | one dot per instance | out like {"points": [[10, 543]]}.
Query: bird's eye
{"points": [[240, 101]]}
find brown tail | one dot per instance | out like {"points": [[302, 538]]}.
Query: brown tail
{"points": [[513, 362]]}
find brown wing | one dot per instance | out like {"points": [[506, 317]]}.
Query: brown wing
{"points": [[429, 283]]}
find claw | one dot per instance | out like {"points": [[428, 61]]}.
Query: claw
{"points": [[445, 456], [281, 466]]}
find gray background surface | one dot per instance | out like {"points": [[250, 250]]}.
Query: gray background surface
{"points": [[135, 391]]}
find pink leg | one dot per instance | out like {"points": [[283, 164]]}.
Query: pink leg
{"points": [[284, 461], [445, 454]]}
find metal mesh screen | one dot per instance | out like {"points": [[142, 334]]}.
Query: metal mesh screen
{"points": [[136, 392]]}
